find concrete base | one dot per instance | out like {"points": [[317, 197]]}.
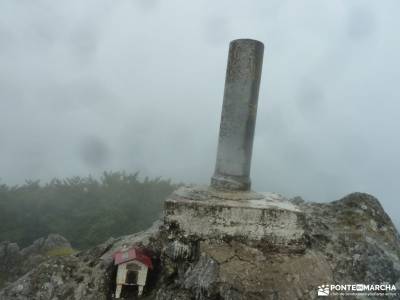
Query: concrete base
{"points": [[208, 213]]}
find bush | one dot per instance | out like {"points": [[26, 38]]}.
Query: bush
{"points": [[85, 210], [61, 251]]}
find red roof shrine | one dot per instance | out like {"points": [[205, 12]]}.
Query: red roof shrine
{"points": [[130, 254]]}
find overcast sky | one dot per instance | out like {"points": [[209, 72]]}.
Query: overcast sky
{"points": [[94, 85]]}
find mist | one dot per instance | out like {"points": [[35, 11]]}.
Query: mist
{"points": [[87, 86]]}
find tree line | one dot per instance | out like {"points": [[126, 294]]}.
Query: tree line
{"points": [[85, 210]]}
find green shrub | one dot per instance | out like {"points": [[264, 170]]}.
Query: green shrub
{"points": [[61, 251], [85, 210]]}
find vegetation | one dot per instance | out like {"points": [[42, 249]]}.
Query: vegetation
{"points": [[86, 211], [60, 251]]}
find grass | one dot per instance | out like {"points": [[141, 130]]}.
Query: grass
{"points": [[61, 251]]}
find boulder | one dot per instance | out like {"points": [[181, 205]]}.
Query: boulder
{"points": [[349, 241], [15, 262]]}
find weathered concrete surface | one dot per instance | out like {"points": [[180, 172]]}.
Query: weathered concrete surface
{"points": [[214, 214], [238, 119], [351, 240]]}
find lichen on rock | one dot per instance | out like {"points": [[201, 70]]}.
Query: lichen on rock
{"points": [[351, 240]]}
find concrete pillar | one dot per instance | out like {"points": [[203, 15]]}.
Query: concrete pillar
{"points": [[235, 144]]}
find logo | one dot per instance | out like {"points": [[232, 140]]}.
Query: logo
{"points": [[383, 289], [323, 290], [360, 287]]}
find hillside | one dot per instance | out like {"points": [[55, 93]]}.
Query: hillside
{"points": [[349, 241]]}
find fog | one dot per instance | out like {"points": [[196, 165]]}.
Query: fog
{"points": [[87, 86]]}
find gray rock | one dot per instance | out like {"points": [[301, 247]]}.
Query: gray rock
{"points": [[43, 245], [15, 262], [201, 279], [349, 241], [178, 250]]}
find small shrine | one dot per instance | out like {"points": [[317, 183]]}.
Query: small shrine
{"points": [[133, 265]]}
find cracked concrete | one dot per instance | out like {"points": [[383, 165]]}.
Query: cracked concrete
{"points": [[202, 211], [343, 247]]}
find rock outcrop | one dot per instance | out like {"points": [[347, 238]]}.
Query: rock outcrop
{"points": [[349, 241], [15, 262]]}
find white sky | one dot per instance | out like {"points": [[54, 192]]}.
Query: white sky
{"points": [[87, 86]]}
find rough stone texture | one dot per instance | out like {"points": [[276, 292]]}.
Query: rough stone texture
{"points": [[357, 238], [15, 262], [85, 275], [238, 118], [44, 245], [351, 240], [209, 213]]}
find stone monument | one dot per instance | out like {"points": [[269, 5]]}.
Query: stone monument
{"points": [[228, 208], [238, 119]]}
